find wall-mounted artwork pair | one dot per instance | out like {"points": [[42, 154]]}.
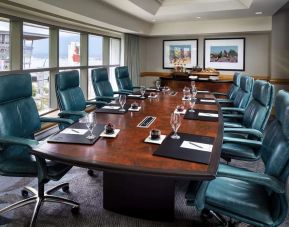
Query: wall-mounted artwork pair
{"points": [[220, 53]]}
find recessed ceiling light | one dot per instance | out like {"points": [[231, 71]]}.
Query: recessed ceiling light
{"points": [[153, 20], [198, 17], [259, 13]]}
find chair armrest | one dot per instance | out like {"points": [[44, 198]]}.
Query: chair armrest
{"points": [[95, 102], [268, 181], [105, 97], [121, 93], [66, 113], [239, 116], [136, 87], [248, 131], [56, 120], [233, 109], [251, 143], [225, 100], [219, 93], [126, 91], [19, 141]]}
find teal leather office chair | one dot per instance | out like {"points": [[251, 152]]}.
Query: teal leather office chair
{"points": [[70, 98], [243, 94], [258, 199], [19, 120], [242, 139], [123, 80], [101, 85], [232, 92]]}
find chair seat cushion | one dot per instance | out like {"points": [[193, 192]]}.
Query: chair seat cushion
{"points": [[239, 151], [56, 170], [240, 199]]}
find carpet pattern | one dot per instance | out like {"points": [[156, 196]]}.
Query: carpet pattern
{"points": [[87, 191]]}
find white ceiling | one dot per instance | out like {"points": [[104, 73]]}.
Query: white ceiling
{"points": [[158, 11]]}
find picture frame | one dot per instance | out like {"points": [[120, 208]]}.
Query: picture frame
{"points": [[182, 51], [224, 53]]}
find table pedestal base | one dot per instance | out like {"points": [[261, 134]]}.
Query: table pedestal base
{"points": [[141, 196]]}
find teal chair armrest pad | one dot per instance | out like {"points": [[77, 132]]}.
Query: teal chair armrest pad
{"points": [[126, 91], [239, 116], [225, 100], [19, 141], [247, 142], [105, 97], [121, 93], [235, 109], [136, 87], [248, 131], [232, 125], [56, 120], [95, 102], [66, 113], [268, 181]]}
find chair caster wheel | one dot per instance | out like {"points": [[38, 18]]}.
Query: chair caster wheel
{"points": [[24, 193], [75, 210], [65, 188], [90, 172]]}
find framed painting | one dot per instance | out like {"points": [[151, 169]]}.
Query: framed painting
{"points": [[225, 54], [176, 52]]}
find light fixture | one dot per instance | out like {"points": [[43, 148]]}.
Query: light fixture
{"points": [[198, 17], [259, 13]]}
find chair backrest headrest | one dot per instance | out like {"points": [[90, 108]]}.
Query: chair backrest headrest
{"points": [[246, 83], [282, 111], [237, 78], [18, 112], [20, 86], [99, 74], [121, 72], [244, 93], [67, 79], [263, 92]]}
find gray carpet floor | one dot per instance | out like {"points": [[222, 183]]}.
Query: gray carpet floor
{"points": [[88, 192]]}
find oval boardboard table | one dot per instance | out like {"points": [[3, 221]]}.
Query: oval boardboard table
{"points": [[136, 182]]}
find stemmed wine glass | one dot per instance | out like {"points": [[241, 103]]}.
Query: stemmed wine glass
{"points": [[90, 122], [193, 84], [186, 92], [194, 92], [192, 104], [158, 85], [122, 101], [175, 123], [142, 91]]}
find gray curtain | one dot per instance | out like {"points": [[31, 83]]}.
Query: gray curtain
{"points": [[131, 57]]}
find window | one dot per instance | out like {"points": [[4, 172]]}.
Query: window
{"points": [[69, 48], [114, 59], [35, 46], [40, 90], [4, 45], [95, 50]]}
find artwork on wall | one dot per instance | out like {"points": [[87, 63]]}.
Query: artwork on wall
{"points": [[180, 52], [225, 54]]}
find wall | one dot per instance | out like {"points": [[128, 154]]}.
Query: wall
{"points": [[257, 52]]}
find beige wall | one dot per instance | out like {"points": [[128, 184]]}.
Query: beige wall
{"points": [[257, 52]]}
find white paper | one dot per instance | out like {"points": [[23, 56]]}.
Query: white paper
{"points": [[207, 100], [114, 134], [151, 89], [159, 141], [134, 96], [180, 112], [74, 131], [110, 107], [197, 146], [207, 114], [134, 110], [203, 92]]}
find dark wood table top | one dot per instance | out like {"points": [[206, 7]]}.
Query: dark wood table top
{"points": [[128, 152]]}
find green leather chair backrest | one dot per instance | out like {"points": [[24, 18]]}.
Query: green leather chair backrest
{"points": [[244, 92], [235, 86], [122, 78], [69, 95], [100, 82], [18, 112], [258, 111]]}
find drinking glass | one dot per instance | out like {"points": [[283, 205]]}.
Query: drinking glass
{"points": [[90, 122], [158, 84], [193, 84], [142, 91], [192, 104], [186, 92], [194, 92], [175, 123], [122, 101]]}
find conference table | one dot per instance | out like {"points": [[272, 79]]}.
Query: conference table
{"points": [[136, 182]]}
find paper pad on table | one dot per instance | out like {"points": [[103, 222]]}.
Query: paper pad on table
{"points": [[110, 107], [74, 131], [197, 146], [138, 96], [207, 100], [207, 114]]}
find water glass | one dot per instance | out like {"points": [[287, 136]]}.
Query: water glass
{"points": [[194, 92], [90, 122], [186, 92], [122, 101], [192, 104], [142, 91], [158, 85], [175, 123]]}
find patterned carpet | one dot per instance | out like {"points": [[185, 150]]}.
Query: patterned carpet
{"points": [[88, 192]]}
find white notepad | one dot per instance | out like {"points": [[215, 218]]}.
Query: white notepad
{"points": [[203, 92], [207, 114], [197, 146], [137, 96], [208, 100], [110, 107], [74, 131]]}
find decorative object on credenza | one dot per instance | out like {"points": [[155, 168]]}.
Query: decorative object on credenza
{"points": [[180, 54], [225, 54], [197, 69]]}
